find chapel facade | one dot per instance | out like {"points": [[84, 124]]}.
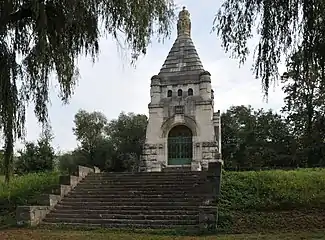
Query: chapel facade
{"points": [[183, 128]]}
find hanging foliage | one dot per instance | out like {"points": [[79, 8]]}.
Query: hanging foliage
{"points": [[283, 27], [41, 37]]}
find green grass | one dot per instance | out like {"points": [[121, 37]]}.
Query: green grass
{"points": [[274, 190], [263, 200], [26, 234], [21, 191], [21, 188]]}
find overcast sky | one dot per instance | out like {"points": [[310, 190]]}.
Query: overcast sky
{"points": [[111, 85]]}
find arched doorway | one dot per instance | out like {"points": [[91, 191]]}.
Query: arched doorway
{"points": [[180, 150]]}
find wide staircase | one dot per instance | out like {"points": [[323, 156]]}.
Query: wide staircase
{"points": [[164, 200]]}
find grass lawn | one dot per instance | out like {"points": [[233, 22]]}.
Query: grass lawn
{"points": [[29, 234]]}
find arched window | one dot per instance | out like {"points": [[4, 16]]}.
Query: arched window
{"points": [[169, 93], [190, 92], [179, 92]]}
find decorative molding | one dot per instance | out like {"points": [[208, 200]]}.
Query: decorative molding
{"points": [[209, 144]]}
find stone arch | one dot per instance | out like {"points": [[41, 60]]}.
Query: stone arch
{"points": [[179, 92], [184, 120]]}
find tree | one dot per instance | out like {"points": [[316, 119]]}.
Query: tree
{"points": [[1, 162], [237, 135], [304, 103], [276, 141], [128, 134], [36, 157], [69, 160], [111, 146], [255, 139], [38, 38], [282, 28], [89, 130]]}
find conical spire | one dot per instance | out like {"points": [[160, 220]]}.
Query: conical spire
{"points": [[182, 58]]}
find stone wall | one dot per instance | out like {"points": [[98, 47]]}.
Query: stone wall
{"points": [[154, 156], [208, 211], [33, 215]]}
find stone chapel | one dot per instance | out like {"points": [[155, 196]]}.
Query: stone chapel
{"points": [[183, 129]]}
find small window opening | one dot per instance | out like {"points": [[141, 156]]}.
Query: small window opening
{"points": [[169, 93], [190, 92], [179, 92]]}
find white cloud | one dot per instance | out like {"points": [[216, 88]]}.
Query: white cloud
{"points": [[111, 85]]}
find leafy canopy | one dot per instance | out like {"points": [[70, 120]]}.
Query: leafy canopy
{"points": [[112, 146], [41, 37], [284, 27]]}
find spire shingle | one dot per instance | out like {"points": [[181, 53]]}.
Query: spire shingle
{"points": [[182, 58]]}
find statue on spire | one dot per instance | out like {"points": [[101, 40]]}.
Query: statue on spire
{"points": [[184, 23]]}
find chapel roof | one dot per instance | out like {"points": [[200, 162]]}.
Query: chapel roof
{"points": [[183, 58]]}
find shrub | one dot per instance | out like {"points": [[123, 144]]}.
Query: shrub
{"points": [[23, 188], [273, 190]]}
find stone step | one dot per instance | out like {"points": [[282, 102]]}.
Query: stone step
{"points": [[139, 187], [146, 177], [136, 195], [128, 211], [58, 214], [118, 191], [81, 203], [146, 184], [147, 222], [132, 200], [177, 169], [142, 182], [137, 184], [122, 226], [145, 174], [126, 207], [152, 178]]}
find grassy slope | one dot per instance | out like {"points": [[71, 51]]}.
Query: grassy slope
{"points": [[21, 191], [268, 200]]}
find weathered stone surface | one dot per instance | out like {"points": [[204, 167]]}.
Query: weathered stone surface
{"points": [[209, 144], [208, 218], [49, 199], [84, 171], [196, 166], [154, 167], [65, 189], [96, 170], [69, 180], [33, 215]]}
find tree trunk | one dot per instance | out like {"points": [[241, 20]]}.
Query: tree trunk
{"points": [[8, 156]]}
